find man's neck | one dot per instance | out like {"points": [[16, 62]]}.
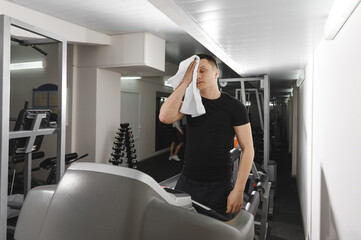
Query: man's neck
{"points": [[211, 93]]}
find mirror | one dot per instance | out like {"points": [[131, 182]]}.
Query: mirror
{"points": [[162, 131], [34, 78]]}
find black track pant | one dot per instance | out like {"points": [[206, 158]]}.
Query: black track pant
{"points": [[213, 195]]}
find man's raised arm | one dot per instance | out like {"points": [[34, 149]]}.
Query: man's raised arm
{"points": [[170, 110]]}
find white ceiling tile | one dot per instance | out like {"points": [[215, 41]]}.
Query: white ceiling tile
{"points": [[271, 33]]}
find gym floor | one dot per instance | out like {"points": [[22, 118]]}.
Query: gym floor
{"points": [[286, 222]]}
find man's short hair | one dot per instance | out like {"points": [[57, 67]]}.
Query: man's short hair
{"points": [[210, 59]]}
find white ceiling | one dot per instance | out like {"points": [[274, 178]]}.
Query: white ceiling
{"points": [[111, 17], [255, 37]]}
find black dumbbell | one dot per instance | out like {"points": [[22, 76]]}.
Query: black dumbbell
{"points": [[118, 148], [120, 133], [120, 138], [116, 161], [124, 125], [117, 155], [118, 143]]}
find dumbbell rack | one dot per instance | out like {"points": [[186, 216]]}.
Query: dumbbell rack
{"points": [[124, 148]]}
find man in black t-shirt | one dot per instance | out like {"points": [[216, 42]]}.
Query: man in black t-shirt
{"points": [[207, 172]]}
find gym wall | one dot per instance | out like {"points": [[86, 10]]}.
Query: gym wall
{"points": [[335, 136], [147, 86]]}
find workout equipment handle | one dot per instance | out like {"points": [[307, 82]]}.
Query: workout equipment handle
{"points": [[51, 162], [253, 202], [76, 159], [70, 156], [21, 158], [208, 211], [262, 184]]}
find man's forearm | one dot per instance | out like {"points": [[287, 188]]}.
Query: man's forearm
{"points": [[244, 169], [169, 111]]}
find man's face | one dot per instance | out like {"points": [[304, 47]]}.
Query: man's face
{"points": [[207, 75]]}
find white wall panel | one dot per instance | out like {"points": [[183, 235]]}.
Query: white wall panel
{"points": [[84, 112], [107, 113], [136, 49], [304, 153], [336, 151]]}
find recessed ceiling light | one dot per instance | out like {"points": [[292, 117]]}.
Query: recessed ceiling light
{"points": [[27, 65], [131, 78]]}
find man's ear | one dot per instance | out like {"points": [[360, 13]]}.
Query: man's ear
{"points": [[217, 73]]}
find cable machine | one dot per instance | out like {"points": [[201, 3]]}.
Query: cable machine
{"points": [[262, 99]]}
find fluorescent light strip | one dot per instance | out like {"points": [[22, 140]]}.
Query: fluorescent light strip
{"points": [[131, 78], [340, 12], [27, 65]]}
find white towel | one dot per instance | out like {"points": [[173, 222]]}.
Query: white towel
{"points": [[192, 103]]}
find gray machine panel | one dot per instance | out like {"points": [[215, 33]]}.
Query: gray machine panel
{"points": [[98, 201], [33, 212]]}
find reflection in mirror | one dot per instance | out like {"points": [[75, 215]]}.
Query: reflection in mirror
{"points": [[33, 85], [163, 131]]}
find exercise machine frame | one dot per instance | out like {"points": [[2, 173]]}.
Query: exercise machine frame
{"points": [[265, 84]]}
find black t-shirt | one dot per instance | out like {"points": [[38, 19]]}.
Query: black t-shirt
{"points": [[209, 139]]}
